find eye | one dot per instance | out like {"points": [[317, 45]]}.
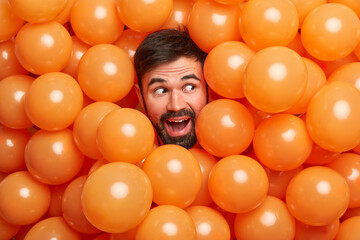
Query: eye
{"points": [[189, 88], [160, 91]]}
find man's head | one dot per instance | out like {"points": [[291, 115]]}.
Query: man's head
{"points": [[171, 84]]}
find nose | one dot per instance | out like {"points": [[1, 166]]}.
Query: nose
{"points": [[176, 102]]}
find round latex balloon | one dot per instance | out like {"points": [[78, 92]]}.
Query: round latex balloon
{"points": [[64, 16], [129, 41], [56, 191], [174, 174], [265, 23], [106, 73], [317, 196], [209, 223], [333, 115], [349, 73], [224, 68], [143, 15], [12, 148], [179, 15], [353, 4], [275, 79], [212, 23], [12, 92], [8, 230], [271, 220], [350, 212], [96, 21], [52, 157], [257, 114], [43, 47], [234, 177], [320, 156], [125, 135], [330, 31], [53, 101], [297, 45], [116, 197], [52, 228], [31, 198], [8, 61], [230, 2], [224, 127], [10, 23], [86, 125], [304, 7], [282, 142], [166, 222], [308, 232], [349, 229]]}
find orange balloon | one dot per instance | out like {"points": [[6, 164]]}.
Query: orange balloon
{"points": [[333, 117], [348, 165], [129, 41], [304, 7], [224, 127], [87, 165], [52, 228], [128, 235], [52, 157], [64, 16], [271, 220], [96, 21], [179, 15], [86, 125], [350, 212], [8, 230], [12, 148], [125, 135], [349, 73], [297, 45], [131, 100], [57, 192], [12, 92], [8, 61], [282, 142], [330, 31], [257, 114], [166, 222], [97, 165], [317, 196], [212, 23], [234, 177], [308, 232], [174, 174], [206, 162], [265, 23], [224, 68], [353, 4], [71, 207], [230, 2], [275, 79], [106, 73], [31, 198], [145, 16], [10, 23], [53, 101], [77, 51], [43, 47], [320, 156], [349, 229], [116, 197], [209, 223]]}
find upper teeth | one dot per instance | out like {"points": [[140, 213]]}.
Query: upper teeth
{"points": [[177, 121]]}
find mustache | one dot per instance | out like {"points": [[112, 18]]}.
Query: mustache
{"points": [[181, 113]]}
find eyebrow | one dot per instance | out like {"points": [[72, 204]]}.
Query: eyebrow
{"points": [[161, 80]]}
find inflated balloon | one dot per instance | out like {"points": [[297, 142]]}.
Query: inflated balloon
{"points": [[330, 31], [275, 79], [349, 73], [10, 23], [317, 196], [179, 15], [64, 16], [271, 220], [209, 223], [308, 232], [297, 45], [166, 222], [106, 73], [125, 135], [265, 23], [52, 228], [43, 47], [348, 165], [55, 208], [12, 148], [333, 115], [174, 174], [234, 177], [353, 4], [53, 101], [320, 156], [12, 92], [143, 15], [8, 61], [230, 2], [97, 165], [304, 7], [116, 197], [86, 125], [349, 229], [224, 127], [131, 100], [72, 210], [129, 41], [52, 157], [31, 198], [224, 68], [96, 21], [128, 235], [350, 212], [212, 23], [206, 162], [8, 230], [282, 142], [257, 114]]}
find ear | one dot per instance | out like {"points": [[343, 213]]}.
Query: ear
{"points": [[139, 95]]}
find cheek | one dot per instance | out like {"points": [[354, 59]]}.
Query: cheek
{"points": [[155, 109], [198, 103]]}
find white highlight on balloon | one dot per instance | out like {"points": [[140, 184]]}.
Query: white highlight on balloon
{"points": [[178, 16], [354, 174], [119, 190], [333, 25], [203, 229], [323, 187], [56, 96], [218, 19], [128, 130], [357, 84], [174, 166], [289, 135], [268, 218], [5, 55], [272, 15], [235, 61], [110, 68], [9, 143], [277, 71], [24, 192], [100, 12], [227, 122], [170, 229], [58, 148], [47, 40], [341, 109], [240, 176], [18, 95]]}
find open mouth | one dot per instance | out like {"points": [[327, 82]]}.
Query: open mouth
{"points": [[178, 126]]}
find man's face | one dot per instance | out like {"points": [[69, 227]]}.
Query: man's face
{"points": [[173, 95]]}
